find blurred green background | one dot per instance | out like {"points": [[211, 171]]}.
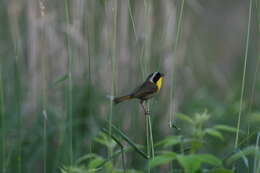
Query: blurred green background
{"points": [[62, 60]]}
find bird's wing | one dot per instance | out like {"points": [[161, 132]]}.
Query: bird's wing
{"points": [[145, 89]]}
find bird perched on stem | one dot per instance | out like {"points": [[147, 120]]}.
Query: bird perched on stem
{"points": [[148, 89]]}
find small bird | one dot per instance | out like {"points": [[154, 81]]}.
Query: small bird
{"points": [[148, 89]]}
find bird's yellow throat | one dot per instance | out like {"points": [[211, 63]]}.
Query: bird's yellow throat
{"points": [[159, 83]]}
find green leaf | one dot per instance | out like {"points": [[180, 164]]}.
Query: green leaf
{"points": [[225, 128], [200, 118], [185, 118], [63, 170], [169, 141], [190, 163], [162, 159], [214, 133], [108, 167], [251, 150], [254, 117], [210, 159], [221, 170], [104, 140], [86, 157], [74, 169], [95, 162], [129, 141]]}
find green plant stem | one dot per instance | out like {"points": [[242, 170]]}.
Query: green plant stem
{"points": [[257, 157], [244, 75], [129, 141], [69, 91], [151, 136], [44, 92], [44, 113], [90, 50], [147, 38], [120, 145], [2, 107], [18, 104], [145, 67], [132, 19], [113, 63], [148, 146], [174, 53]]}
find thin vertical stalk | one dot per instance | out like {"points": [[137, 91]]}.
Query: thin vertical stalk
{"points": [[174, 53], [18, 103], [2, 107], [17, 81], [69, 91], [258, 166], [44, 90], [147, 60], [90, 50], [148, 146], [151, 136], [254, 85], [44, 114], [113, 63], [132, 19], [175, 46], [257, 157], [244, 74], [147, 38]]}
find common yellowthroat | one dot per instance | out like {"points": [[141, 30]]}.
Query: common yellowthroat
{"points": [[148, 89]]}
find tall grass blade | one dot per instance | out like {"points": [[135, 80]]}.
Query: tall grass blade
{"points": [[132, 19], [257, 157], [113, 63], [145, 67], [3, 130], [151, 136], [244, 75], [18, 104], [69, 90], [120, 145], [176, 43], [148, 147], [129, 141], [44, 91]]}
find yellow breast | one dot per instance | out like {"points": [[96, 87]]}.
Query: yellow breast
{"points": [[159, 83]]}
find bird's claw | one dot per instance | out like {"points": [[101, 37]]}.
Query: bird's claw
{"points": [[147, 112]]}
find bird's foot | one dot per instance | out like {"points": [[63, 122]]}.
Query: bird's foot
{"points": [[147, 112]]}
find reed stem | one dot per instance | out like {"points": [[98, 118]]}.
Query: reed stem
{"points": [[3, 130], [69, 91], [244, 74], [176, 43]]}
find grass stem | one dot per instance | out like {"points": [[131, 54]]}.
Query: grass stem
{"points": [[3, 130], [69, 91], [244, 74], [177, 37], [151, 136], [257, 157], [113, 63], [148, 146], [132, 19]]}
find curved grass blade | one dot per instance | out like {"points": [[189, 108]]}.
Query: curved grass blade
{"points": [[129, 141]]}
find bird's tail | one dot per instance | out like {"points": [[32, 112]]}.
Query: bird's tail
{"points": [[122, 98]]}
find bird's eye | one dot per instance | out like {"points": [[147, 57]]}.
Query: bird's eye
{"points": [[156, 77]]}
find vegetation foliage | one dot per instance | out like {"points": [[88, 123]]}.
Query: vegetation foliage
{"points": [[62, 62]]}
